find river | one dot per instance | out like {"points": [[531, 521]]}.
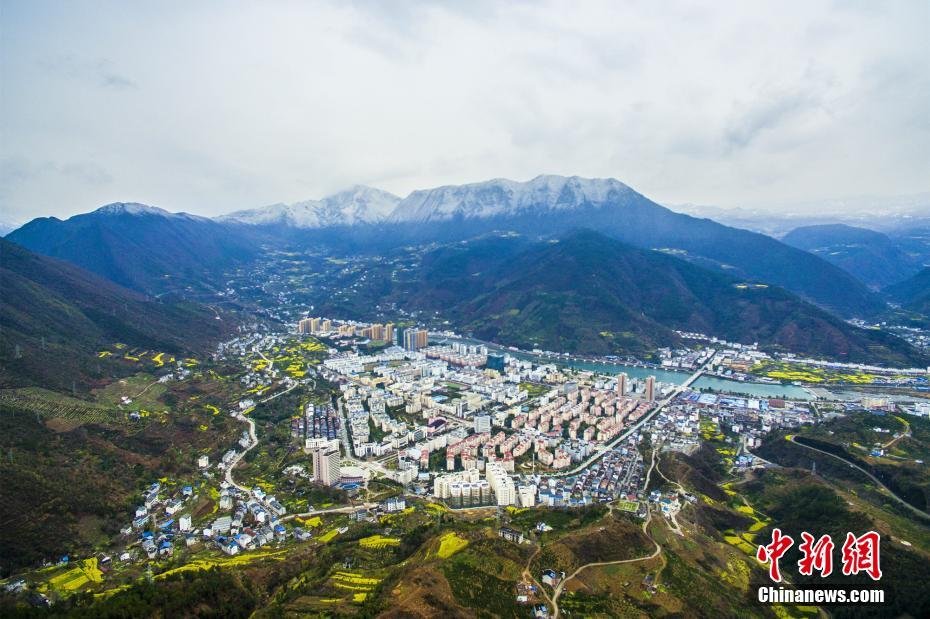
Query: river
{"points": [[719, 385]]}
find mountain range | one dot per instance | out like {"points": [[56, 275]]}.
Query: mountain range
{"points": [[54, 316], [354, 206], [873, 257], [148, 249], [589, 293], [141, 247], [914, 293]]}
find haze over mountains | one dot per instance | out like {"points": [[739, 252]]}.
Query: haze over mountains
{"points": [[873, 257], [356, 205]]}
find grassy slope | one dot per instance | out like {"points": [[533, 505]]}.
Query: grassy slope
{"points": [[54, 317]]}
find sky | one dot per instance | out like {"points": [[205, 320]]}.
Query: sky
{"points": [[209, 107]]}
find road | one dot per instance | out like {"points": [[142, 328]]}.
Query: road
{"points": [[253, 442], [345, 509], [561, 586], [636, 426], [253, 438], [919, 512], [745, 450]]}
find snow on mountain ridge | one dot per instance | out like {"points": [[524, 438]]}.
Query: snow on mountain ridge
{"points": [[131, 208], [138, 209], [502, 197], [356, 205], [492, 198]]}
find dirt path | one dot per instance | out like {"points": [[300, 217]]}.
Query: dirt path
{"points": [[675, 526], [906, 433], [658, 550], [527, 575]]}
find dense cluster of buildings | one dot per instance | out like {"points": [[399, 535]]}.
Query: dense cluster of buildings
{"points": [[164, 520], [463, 417]]}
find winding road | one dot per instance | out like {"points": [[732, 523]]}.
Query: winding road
{"points": [[917, 511], [557, 592], [253, 438], [253, 442]]}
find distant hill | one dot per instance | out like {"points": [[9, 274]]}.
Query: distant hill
{"points": [[141, 247], [54, 317], [913, 293], [590, 293], [872, 257], [553, 205]]}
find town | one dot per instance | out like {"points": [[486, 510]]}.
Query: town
{"points": [[460, 424]]}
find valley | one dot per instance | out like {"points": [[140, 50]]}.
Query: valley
{"points": [[515, 424]]}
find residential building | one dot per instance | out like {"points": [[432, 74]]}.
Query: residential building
{"points": [[415, 339], [326, 459], [482, 423], [621, 384], [650, 392]]}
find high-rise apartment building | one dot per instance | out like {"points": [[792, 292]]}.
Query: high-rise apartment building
{"points": [[326, 459], [415, 339], [650, 392], [621, 384], [501, 483], [482, 423]]}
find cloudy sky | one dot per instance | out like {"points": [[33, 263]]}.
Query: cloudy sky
{"points": [[209, 107]]}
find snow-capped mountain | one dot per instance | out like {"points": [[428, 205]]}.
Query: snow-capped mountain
{"points": [[136, 208], [502, 197], [356, 205], [142, 247]]}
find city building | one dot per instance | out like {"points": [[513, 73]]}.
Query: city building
{"points": [[650, 392], [482, 423], [415, 339], [621, 384], [326, 459]]}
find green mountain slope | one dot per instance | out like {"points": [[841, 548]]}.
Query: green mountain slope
{"points": [[55, 316], [589, 293]]}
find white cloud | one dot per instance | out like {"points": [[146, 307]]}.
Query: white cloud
{"points": [[211, 107]]}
